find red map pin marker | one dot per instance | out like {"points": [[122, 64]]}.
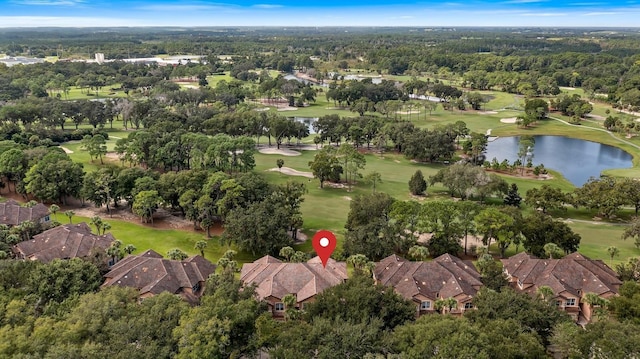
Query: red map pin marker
{"points": [[324, 242]]}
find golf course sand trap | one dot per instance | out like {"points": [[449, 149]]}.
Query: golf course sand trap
{"points": [[282, 151], [66, 150], [487, 112], [291, 172], [508, 120]]}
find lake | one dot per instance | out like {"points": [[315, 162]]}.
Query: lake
{"points": [[577, 160], [309, 121]]}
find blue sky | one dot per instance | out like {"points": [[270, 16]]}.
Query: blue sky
{"points": [[89, 13]]}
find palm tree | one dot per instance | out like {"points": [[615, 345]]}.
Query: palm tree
{"points": [[552, 250], [289, 301], [114, 251], [419, 253], [69, 215], [287, 253], [201, 245], [177, 254], [13, 238], [105, 227], [129, 248], [451, 303], [448, 303], [358, 261], [227, 264], [596, 303], [30, 204], [374, 178], [545, 292], [229, 254], [53, 209], [24, 229], [613, 252], [370, 266], [96, 221]]}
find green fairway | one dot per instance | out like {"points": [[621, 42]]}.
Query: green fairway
{"points": [[596, 238], [76, 93], [328, 208], [145, 237]]}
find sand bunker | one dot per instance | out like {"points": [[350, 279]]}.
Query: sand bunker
{"points": [[66, 150], [487, 112], [282, 151], [509, 120], [291, 172]]}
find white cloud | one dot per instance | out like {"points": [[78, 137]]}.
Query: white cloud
{"points": [[544, 14], [599, 13], [49, 2], [267, 6]]}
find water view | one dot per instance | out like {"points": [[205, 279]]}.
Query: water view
{"points": [[576, 159], [309, 121]]}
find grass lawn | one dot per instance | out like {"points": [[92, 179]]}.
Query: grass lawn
{"points": [[214, 79], [76, 93], [145, 237], [596, 238]]}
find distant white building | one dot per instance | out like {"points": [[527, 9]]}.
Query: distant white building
{"points": [[99, 57]]}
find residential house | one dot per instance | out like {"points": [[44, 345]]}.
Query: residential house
{"points": [[275, 279], [13, 214], [62, 242], [570, 278], [425, 283], [151, 275]]}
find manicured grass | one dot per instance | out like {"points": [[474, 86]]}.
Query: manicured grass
{"points": [[596, 238], [76, 93], [145, 237], [214, 79]]}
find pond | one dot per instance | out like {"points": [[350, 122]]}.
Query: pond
{"points": [[309, 121], [576, 159]]}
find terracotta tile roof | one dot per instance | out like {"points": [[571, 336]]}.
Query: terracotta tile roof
{"points": [[150, 273], [274, 278], [445, 276], [574, 274], [12, 214], [66, 241]]}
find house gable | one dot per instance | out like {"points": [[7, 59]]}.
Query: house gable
{"points": [[444, 277], [150, 273], [63, 242], [275, 279]]}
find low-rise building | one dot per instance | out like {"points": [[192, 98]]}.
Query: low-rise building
{"points": [[151, 275], [63, 242], [13, 214], [427, 283], [274, 280], [570, 279]]}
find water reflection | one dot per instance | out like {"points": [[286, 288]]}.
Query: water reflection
{"points": [[576, 159]]}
